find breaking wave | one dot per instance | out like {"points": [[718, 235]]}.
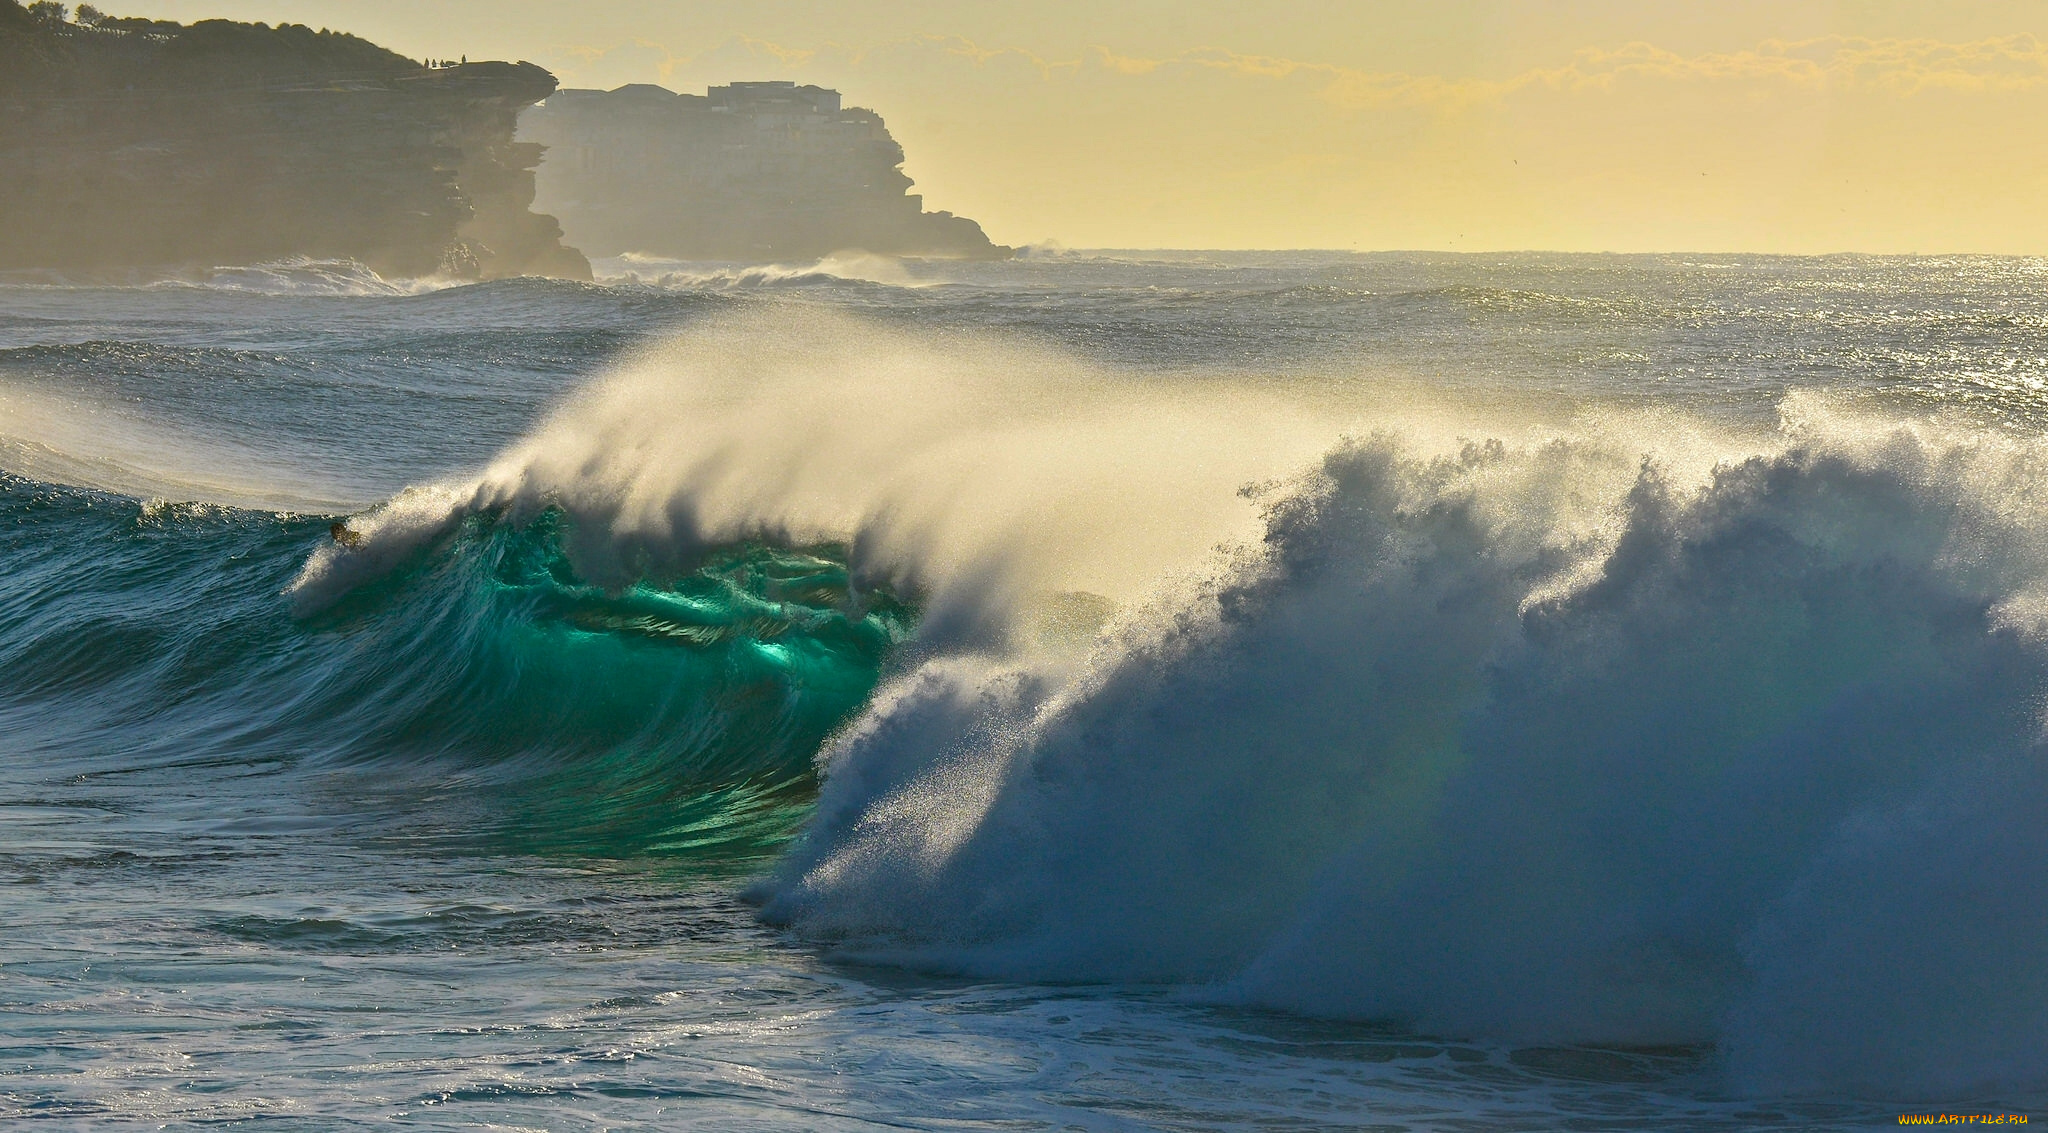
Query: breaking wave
{"points": [[1750, 762], [1614, 730], [293, 276], [675, 714], [300, 275], [838, 268]]}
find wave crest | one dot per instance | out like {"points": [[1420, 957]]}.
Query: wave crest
{"points": [[1618, 729], [838, 268]]}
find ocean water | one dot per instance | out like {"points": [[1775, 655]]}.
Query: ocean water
{"points": [[1098, 691]]}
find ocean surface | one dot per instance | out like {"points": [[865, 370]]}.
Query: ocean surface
{"points": [[1099, 691]]}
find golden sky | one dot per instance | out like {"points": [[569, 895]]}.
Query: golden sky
{"points": [[1469, 125]]}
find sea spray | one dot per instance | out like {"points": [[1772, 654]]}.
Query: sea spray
{"points": [[89, 439], [1549, 736], [957, 467]]}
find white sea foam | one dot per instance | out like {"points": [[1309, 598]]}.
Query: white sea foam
{"points": [[661, 271]]}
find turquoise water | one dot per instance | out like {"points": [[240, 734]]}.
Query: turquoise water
{"points": [[774, 699]]}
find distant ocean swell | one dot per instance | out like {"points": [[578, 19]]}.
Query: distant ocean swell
{"points": [[298, 275], [1627, 731]]}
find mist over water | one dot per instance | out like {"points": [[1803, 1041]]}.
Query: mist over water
{"points": [[1494, 692]]}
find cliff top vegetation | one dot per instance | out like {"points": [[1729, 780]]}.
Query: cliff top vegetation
{"points": [[47, 43]]}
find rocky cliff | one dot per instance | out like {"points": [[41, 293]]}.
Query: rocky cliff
{"points": [[132, 143], [750, 171]]}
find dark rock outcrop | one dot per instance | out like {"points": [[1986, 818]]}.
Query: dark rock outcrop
{"points": [[132, 143], [750, 171]]}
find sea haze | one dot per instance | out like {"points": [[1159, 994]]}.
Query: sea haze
{"points": [[1088, 691]]}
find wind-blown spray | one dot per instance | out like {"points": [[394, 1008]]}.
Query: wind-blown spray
{"points": [[1621, 730]]}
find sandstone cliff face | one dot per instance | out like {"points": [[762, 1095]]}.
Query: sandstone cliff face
{"points": [[147, 144], [750, 171]]}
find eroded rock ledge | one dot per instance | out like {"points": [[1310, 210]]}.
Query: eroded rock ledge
{"points": [[133, 143], [749, 171]]}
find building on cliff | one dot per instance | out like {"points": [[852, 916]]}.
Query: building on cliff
{"points": [[132, 144], [750, 171]]}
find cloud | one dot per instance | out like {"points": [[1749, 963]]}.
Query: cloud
{"points": [[637, 61], [1838, 63], [1900, 66]]}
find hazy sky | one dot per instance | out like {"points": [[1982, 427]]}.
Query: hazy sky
{"points": [[1790, 125]]}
